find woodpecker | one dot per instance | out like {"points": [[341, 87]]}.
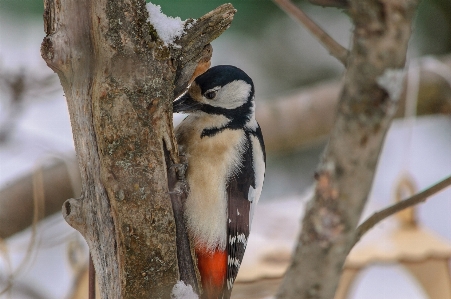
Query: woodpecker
{"points": [[225, 153]]}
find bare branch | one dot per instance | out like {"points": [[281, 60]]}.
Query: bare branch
{"points": [[399, 206], [20, 86], [335, 49], [60, 182], [331, 3]]}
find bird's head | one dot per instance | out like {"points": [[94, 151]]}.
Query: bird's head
{"points": [[223, 89]]}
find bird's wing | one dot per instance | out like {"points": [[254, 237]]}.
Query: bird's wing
{"points": [[240, 193]]}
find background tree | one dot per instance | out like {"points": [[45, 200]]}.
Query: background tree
{"points": [[367, 105]]}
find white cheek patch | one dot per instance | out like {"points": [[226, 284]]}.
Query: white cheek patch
{"points": [[232, 95]]}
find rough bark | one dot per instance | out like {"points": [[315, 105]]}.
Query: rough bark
{"points": [[368, 102], [119, 80]]}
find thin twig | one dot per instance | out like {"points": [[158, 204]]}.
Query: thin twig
{"points": [[92, 279], [38, 212], [331, 3], [399, 206], [335, 49]]}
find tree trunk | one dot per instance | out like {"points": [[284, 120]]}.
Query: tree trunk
{"points": [[368, 102], [119, 79]]}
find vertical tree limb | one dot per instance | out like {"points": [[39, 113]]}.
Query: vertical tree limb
{"points": [[119, 80], [368, 102]]}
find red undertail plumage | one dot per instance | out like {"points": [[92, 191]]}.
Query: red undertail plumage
{"points": [[213, 271]]}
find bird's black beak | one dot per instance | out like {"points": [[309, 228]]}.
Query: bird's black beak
{"points": [[185, 104]]}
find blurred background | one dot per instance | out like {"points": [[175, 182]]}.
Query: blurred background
{"points": [[297, 83]]}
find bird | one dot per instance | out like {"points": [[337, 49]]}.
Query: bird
{"points": [[225, 153]]}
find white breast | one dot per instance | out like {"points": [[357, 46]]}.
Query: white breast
{"points": [[210, 161]]}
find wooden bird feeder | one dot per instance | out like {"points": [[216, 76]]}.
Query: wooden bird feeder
{"points": [[423, 254]]}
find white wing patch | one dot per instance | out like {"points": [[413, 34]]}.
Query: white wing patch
{"points": [[251, 194], [259, 169]]}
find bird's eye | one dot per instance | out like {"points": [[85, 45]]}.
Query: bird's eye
{"points": [[210, 95]]}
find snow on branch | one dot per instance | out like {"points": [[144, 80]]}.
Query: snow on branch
{"points": [[168, 28]]}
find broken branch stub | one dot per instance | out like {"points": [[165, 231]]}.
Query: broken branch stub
{"points": [[199, 33], [119, 80]]}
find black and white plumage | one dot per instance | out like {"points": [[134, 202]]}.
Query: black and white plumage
{"points": [[224, 148]]}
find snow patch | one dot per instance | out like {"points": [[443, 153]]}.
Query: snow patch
{"points": [[168, 28], [183, 291], [391, 80]]}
